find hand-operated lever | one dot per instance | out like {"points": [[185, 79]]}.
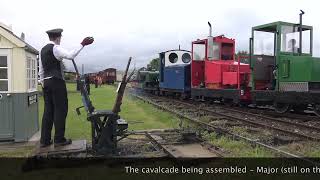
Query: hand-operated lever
{"points": [[106, 125]]}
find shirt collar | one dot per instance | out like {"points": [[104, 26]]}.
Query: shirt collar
{"points": [[51, 42]]}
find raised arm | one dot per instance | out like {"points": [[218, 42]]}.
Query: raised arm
{"points": [[60, 53]]}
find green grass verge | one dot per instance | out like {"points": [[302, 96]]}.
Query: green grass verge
{"points": [[235, 148], [138, 114]]}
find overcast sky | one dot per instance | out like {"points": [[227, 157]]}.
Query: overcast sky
{"points": [[143, 28]]}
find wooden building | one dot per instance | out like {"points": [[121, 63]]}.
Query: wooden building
{"points": [[18, 87]]}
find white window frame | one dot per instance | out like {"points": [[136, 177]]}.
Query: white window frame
{"points": [[215, 52], [31, 74], [7, 52], [196, 47]]}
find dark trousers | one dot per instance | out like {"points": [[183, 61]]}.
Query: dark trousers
{"points": [[55, 110], [88, 88]]}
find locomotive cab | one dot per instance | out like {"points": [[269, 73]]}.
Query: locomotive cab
{"points": [[175, 73], [284, 72], [210, 57], [214, 72]]}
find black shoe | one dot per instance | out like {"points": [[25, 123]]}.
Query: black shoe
{"points": [[45, 144], [63, 143]]}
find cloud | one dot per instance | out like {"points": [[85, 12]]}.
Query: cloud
{"points": [[144, 28]]}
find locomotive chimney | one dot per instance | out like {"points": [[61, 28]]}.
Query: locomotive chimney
{"points": [[300, 32], [210, 29]]}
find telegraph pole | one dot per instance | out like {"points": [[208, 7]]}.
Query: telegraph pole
{"points": [[82, 69]]}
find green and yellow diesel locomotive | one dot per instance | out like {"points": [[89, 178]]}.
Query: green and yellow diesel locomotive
{"points": [[283, 71]]}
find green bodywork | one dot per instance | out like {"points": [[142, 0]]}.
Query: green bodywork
{"points": [[291, 66], [148, 78]]}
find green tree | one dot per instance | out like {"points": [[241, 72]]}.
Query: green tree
{"points": [[243, 54], [154, 65]]}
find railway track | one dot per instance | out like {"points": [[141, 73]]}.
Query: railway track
{"points": [[306, 117], [140, 144], [220, 130], [288, 126], [189, 147], [309, 122], [285, 126]]}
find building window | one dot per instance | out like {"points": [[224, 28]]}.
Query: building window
{"points": [[31, 74], [4, 73], [112, 74]]}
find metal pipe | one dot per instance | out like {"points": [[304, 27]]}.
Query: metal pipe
{"points": [[82, 69], [250, 51], [238, 74], [300, 32], [210, 29]]}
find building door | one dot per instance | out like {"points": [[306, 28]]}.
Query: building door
{"points": [[6, 110]]}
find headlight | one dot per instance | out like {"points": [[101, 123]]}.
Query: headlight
{"points": [[241, 92]]}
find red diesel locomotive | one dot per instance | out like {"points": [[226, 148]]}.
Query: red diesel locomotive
{"points": [[214, 72]]}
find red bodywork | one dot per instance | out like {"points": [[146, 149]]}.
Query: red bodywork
{"points": [[221, 71]]}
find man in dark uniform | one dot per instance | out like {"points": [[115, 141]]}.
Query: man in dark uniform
{"points": [[54, 87]]}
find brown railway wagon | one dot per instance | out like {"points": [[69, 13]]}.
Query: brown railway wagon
{"points": [[92, 77], [109, 76]]}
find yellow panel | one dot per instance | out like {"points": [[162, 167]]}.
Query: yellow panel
{"points": [[14, 41], [5, 43], [19, 70], [213, 85]]}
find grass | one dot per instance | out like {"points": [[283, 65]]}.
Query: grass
{"points": [[142, 116], [138, 114], [237, 148], [307, 149]]}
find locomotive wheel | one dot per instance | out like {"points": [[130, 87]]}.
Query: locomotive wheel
{"points": [[244, 104], [228, 102], [156, 93], [316, 109], [299, 108], [281, 107], [161, 93], [183, 96]]}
